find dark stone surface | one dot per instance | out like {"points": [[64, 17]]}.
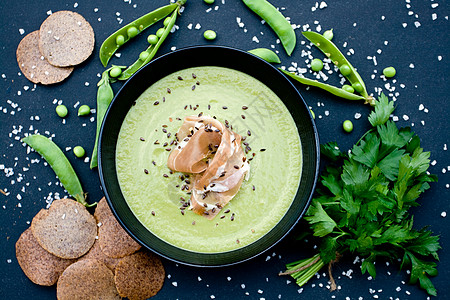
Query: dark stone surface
{"points": [[363, 25]]}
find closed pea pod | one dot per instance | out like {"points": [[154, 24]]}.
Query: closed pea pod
{"points": [[105, 95], [60, 165], [333, 53], [266, 54], [121, 36], [276, 21]]}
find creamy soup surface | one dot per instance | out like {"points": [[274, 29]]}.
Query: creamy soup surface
{"points": [[254, 112]]}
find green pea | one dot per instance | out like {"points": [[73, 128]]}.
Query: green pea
{"points": [[347, 126], [152, 39], [61, 110], [132, 32], [348, 88], [316, 65], [79, 151], [115, 72], [160, 32], [209, 35], [120, 40], [358, 87], [143, 56], [345, 70], [389, 72], [209, 1], [84, 110], [167, 21], [328, 34]]}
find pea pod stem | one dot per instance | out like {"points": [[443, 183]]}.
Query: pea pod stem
{"points": [[266, 54], [329, 88], [151, 50], [110, 46], [276, 21], [60, 165], [105, 95], [336, 56]]}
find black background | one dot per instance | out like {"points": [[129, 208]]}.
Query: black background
{"points": [[363, 25]]}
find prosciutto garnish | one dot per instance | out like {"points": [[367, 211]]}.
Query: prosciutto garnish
{"points": [[213, 153]]}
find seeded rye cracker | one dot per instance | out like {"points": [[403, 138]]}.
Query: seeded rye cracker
{"points": [[139, 276], [87, 279], [66, 39], [38, 264], [102, 211], [66, 229], [114, 240], [96, 253], [33, 64]]}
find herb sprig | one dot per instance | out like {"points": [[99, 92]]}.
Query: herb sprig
{"points": [[363, 201]]}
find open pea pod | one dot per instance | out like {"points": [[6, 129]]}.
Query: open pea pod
{"points": [[329, 88], [60, 165], [151, 50], [336, 56], [121, 36]]}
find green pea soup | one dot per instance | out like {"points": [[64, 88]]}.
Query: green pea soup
{"points": [[154, 194]]}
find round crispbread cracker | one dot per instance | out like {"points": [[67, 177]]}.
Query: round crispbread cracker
{"points": [[102, 211], [86, 279], [96, 253], [66, 229], [139, 276], [33, 64], [40, 266], [66, 39], [114, 240]]}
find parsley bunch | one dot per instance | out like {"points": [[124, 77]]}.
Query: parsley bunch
{"points": [[363, 200]]}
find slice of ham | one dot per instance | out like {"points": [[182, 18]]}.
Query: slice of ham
{"points": [[212, 152]]}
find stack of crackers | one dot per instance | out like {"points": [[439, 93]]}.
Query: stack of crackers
{"points": [[88, 257], [48, 55]]}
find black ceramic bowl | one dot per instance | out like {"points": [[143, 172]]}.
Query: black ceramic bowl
{"points": [[196, 57]]}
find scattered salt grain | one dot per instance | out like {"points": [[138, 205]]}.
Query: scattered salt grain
{"points": [[322, 5], [443, 214]]}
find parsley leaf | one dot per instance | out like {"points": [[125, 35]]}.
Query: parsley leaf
{"points": [[383, 109], [321, 222]]}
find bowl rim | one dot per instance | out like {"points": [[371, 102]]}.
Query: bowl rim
{"points": [[144, 244]]}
